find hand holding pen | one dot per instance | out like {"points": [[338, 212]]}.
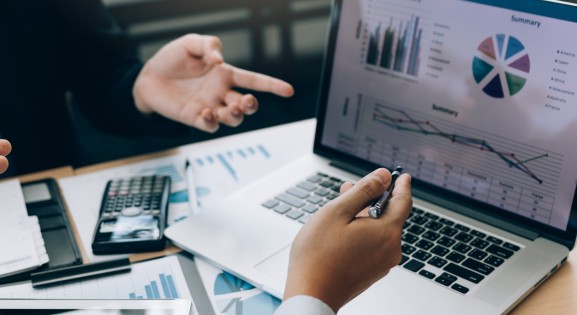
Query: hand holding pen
{"points": [[342, 230], [378, 206]]}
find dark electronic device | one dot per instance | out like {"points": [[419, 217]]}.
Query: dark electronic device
{"points": [[132, 215], [43, 200]]}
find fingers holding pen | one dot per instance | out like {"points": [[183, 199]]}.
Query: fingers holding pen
{"points": [[355, 198], [388, 227], [401, 202]]}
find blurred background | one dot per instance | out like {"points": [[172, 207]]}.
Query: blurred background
{"points": [[282, 38]]}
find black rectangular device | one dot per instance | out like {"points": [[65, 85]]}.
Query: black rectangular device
{"points": [[43, 199], [132, 215]]}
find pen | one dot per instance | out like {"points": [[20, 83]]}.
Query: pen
{"points": [[192, 198], [378, 206], [55, 276]]}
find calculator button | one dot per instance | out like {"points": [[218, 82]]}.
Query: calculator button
{"points": [[131, 212]]}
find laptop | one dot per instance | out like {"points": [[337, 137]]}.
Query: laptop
{"points": [[475, 99]]}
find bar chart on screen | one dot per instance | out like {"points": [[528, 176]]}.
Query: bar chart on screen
{"points": [[156, 279], [394, 37]]}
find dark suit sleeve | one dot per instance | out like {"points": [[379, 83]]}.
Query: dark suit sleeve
{"points": [[101, 68]]}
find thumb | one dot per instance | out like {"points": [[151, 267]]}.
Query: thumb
{"points": [[203, 46]]}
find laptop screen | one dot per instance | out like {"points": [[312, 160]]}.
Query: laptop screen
{"points": [[473, 97]]}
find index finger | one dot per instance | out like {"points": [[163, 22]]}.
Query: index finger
{"points": [[260, 82], [401, 202]]}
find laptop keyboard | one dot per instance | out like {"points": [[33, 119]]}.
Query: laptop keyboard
{"points": [[442, 250], [451, 253], [302, 201]]}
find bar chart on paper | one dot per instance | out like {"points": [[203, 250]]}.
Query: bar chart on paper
{"points": [[217, 173], [233, 162], [157, 279], [153, 288], [220, 172]]}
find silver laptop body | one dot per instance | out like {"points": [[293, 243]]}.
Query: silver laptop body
{"points": [[473, 98]]}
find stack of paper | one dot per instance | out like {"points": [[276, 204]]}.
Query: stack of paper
{"points": [[21, 242]]}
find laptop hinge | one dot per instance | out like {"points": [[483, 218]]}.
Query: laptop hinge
{"points": [[350, 168], [459, 208], [475, 214]]}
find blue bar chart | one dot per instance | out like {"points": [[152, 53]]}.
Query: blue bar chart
{"points": [[152, 290], [229, 160], [217, 173]]}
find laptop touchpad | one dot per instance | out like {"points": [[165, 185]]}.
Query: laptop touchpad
{"points": [[276, 266]]}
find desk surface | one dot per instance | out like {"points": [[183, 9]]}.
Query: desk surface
{"points": [[555, 296]]}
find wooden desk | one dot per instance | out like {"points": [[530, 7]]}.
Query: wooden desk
{"points": [[55, 173], [558, 295]]}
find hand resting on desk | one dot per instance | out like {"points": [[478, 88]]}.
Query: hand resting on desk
{"points": [[341, 251], [5, 148]]}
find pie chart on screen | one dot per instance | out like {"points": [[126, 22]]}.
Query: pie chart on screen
{"points": [[501, 66]]}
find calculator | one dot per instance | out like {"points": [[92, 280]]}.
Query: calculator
{"points": [[132, 215]]}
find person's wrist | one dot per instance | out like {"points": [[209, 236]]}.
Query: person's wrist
{"points": [[137, 94], [311, 287]]}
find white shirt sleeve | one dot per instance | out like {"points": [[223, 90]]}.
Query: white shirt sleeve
{"points": [[304, 305]]}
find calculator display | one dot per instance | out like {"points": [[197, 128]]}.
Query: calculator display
{"points": [[128, 228]]}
